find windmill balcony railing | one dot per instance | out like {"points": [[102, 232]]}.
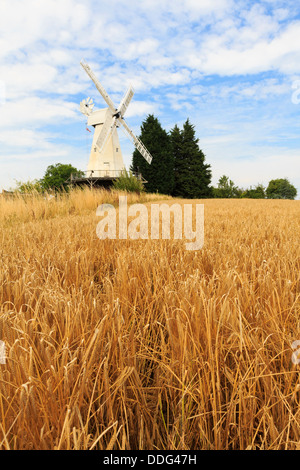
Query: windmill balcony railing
{"points": [[100, 174], [97, 174]]}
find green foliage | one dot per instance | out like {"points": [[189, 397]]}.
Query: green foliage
{"points": [[192, 176], [226, 188], [26, 187], [56, 176], [129, 182], [178, 167], [159, 175], [281, 189], [259, 192]]}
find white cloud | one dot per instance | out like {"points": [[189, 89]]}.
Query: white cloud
{"points": [[36, 111], [141, 108], [25, 138], [23, 79]]}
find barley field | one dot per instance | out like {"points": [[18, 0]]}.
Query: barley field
{"points": [[141, 344]]}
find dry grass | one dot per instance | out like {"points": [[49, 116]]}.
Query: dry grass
{"points": [[142, 344]]}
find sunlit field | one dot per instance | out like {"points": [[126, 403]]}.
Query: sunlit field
{"points": [[142, 344]]}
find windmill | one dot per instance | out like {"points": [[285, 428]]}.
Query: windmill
{"points": [[106, 157]]}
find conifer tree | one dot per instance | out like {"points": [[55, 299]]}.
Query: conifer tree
{"points": [[159, 175], [192, 176]]}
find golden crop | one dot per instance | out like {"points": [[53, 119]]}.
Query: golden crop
{"points": [[141, 344]]}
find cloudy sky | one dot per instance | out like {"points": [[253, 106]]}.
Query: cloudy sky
{"points": [[231, 66]]}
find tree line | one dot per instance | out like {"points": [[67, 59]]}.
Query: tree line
{"points": [[178, 169], [279, 188]]}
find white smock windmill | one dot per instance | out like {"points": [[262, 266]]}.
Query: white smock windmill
{"points": [[106, 156]]}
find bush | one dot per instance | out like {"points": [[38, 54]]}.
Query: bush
{"points": [[258, 192], [129, 182], [25, 187]]}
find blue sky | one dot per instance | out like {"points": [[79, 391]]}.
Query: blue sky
{"points": [[231, 66]]}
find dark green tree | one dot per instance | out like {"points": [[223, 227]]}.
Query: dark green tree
{"points": [[57, 176], [281, 189], [159, 174], [176, 136], [192, 176]]}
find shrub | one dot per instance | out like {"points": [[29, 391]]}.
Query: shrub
{"points": [[25, 187], [128, 182]]}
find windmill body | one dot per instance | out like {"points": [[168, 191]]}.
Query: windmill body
{"points": [[106, 156], [108, 162]]}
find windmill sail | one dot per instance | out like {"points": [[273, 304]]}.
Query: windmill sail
{"points": [[137, 142], [99, 87], [107, 128], [125, 101]]}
